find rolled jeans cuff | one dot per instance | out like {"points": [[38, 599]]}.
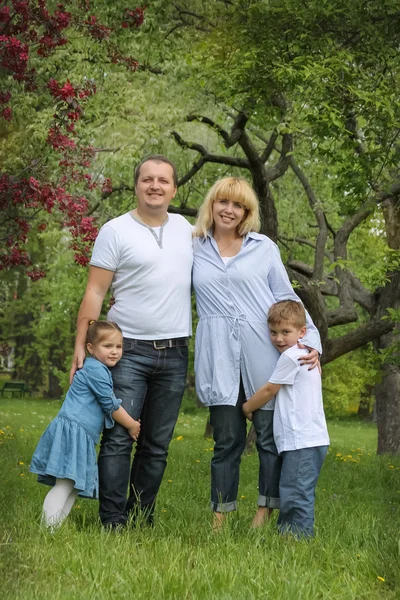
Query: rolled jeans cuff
{"points": [[268, 502], [223, 507]]}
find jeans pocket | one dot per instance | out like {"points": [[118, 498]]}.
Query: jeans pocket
{"points": [[183, 351], [127, 345]]}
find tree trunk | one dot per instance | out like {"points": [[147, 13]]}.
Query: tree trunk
{"points": [[251, 440], [388, 410], [208, 432], [388, 391]]}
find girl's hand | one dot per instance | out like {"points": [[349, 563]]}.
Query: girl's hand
{"points": [[311, 359], [134, 430]]}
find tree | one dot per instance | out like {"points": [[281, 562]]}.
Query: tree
{"points": [[31, 34], [311, 82]]}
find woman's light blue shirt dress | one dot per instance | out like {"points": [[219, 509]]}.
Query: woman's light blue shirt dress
{"points": [[66, 449], [233, 299]]}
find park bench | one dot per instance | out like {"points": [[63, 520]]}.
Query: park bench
{"points": [[15, 388]]}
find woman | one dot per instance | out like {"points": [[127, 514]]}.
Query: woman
{"points": [[237, 275]]}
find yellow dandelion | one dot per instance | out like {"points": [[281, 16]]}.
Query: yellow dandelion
{"points": [[338, 454], [21, 429], [169, 480], [197, 461], [345, 459], [211, 448], [78, 506], [243, 496], [349, 456], [380, 578], [358, 555], [22, 474], [163, 510], [179, 438], [2, 432], [390, 467], [20, 462]]}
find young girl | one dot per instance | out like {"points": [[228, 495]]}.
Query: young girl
{"points": [[65, 457]]}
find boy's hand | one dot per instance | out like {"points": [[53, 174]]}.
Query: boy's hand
{"points": [[311, 359], [247, 413], [134, 430]]}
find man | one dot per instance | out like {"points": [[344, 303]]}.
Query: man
{"points": [[146, 256]]}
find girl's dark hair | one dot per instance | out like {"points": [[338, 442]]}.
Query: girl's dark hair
{"points": [[97, 328]]}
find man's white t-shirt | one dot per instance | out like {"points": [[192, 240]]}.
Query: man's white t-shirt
{"points": [[299, 419], [152, 275]]}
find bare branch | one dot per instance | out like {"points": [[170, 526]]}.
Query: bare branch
{"points": [[319, 215], [329, 287], [206, 157], [237, 130], [333, 348], [270, 146], [341, 316], [191, 145], [281, 166], [183, 210]]}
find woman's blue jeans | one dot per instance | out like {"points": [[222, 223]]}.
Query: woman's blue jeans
{"points": [[269, 462], [229, 426], [150, 384]]}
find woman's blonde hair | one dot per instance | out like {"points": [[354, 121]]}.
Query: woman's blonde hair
{"points": [[229, 188]]}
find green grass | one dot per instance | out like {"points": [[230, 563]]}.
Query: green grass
{"points": [[357, 522]]}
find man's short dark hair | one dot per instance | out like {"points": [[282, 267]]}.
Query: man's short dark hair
{"points": [[156, 158]]}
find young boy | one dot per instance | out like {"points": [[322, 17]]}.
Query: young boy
{"points": [[300, 429]]}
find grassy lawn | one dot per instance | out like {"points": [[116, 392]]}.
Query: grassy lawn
{"points": [[355, 555]]}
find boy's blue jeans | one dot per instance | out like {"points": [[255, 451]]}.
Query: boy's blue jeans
{"points": [[150, 384], [299, 476]]}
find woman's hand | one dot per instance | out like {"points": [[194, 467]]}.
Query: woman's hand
{"points": [[248, 414], [311, 359]]}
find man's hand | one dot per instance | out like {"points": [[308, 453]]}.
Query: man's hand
{"points": [[311, 359], [77, 362]]}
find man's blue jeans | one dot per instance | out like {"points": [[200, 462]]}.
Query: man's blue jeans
{"points": [[299, 477], [150, 384]]}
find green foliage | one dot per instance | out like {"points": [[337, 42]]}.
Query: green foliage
{"points": [[41, 318], [348, 383]]}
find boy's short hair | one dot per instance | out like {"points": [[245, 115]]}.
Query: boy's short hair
{"points": [[287, 310], [97, 329]]}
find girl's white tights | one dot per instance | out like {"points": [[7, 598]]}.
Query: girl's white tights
{"points": [[58, 502]]}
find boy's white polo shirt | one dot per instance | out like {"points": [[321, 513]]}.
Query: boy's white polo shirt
{"points": [[299, 419], [152, 276]]}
